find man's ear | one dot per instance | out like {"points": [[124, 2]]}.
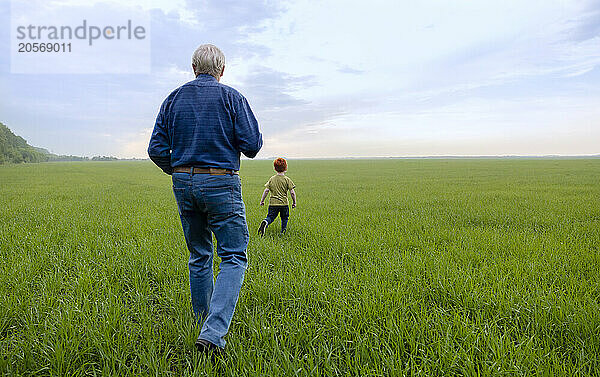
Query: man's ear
{"points": [[223, 70], [194, 70]]}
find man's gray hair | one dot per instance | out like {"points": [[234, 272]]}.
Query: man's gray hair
{"points": [[208, 59]]}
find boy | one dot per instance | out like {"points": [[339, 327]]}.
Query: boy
{"points": [[278, 185]]}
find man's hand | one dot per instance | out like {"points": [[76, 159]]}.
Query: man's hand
{"points": [[262, 203], [293, 205]]}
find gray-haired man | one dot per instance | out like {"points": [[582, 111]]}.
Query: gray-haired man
{"points": [[199, 133]]}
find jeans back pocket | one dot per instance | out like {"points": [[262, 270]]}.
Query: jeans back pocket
{"points": [[219, 202]]}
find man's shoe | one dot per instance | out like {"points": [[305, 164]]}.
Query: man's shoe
{"points": [[262, 227], [207, 347]]}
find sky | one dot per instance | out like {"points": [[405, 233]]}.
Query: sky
{"points": [[335, 78]]}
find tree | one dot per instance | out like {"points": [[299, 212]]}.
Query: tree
{"points": [[14, 149]]}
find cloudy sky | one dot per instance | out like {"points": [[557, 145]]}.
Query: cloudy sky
{"points": [[338, 78]]}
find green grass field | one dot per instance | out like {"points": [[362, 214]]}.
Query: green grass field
{"points": [[388, 268]]}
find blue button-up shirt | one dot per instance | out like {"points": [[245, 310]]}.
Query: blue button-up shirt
{"points": [[206, 124]]}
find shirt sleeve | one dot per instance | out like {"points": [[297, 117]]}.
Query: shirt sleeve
{"points": [[248, 137], [159, 149], [291, 184], [268, 184]]}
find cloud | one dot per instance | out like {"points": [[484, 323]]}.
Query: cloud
{"points": [[227, 22], [269, 89], [350, 70], [135, 145], [587, 24]]}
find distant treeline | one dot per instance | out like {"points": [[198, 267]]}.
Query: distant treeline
{"points": [[14, 149], [54, 157]]}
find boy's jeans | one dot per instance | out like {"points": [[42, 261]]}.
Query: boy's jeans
{"points": [[274, 211], [213, 204]]}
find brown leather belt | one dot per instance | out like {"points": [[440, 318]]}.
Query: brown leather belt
{"points": [[211, 171]]}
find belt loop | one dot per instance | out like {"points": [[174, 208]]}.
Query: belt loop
{"points": [[191, 171]]}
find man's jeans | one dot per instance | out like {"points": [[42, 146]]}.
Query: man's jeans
{"points": [[213, 203], [283, 211]]}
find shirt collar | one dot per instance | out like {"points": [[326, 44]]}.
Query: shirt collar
{"points": [[203, 77]]}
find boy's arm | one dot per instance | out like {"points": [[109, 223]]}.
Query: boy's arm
{"points": [[264, 195], [293, 195]]}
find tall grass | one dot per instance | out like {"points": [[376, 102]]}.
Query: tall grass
{"points": [[389, 267]]}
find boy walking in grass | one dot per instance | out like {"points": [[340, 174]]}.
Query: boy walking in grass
{"points": [[278, 185]]}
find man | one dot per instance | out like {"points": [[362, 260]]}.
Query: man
{"points": [[199, 133]]}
